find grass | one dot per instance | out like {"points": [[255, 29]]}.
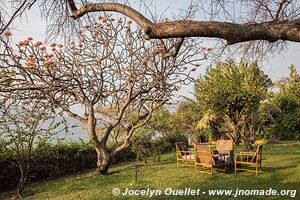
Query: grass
{"points": [[281, 171]]}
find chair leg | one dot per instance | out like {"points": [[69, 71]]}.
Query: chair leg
{"points": [[234, 167], [260, 166], [256, 169]]}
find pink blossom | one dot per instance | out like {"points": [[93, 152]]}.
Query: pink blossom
{"points": [[120, 20], [31, 59], [7, 34], [29, 63], [59, 57], [38, 43], [49, 62], [50, 55], [21, 43]]}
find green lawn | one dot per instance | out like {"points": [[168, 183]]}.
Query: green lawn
{"points": [[281, 171]]}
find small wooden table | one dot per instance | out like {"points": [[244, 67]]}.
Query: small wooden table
{"points": [[226, 158]]}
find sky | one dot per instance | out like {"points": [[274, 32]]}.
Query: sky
{"points": [[276, 67]]}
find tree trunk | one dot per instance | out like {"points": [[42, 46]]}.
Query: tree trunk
{"points": [[235, 131], [247, 143], [24, 169], [104, 160]]}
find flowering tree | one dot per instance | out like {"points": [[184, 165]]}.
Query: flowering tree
{"points": [[116, 76]]}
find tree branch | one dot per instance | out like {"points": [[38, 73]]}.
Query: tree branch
{"points": [[13, 17], [74, 115], [271, 31], [174, 53], [116, 7]]}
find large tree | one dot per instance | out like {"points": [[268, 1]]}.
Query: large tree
{"points": [[118, 78], [234, 92]]}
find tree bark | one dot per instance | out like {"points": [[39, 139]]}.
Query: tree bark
{"points": [[247, 143], [104, 160], [24, 169], [237, 133], [288, 30]]}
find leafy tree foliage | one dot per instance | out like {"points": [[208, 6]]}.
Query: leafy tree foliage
{"points": [[282, 121], [234, 93], [179, 125]]}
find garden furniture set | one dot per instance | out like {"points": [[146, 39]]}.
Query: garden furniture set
{"points": [[207, 159]]}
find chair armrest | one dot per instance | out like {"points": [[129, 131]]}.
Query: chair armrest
{"points": [[245, 157], [186, 151], [246, 153], [192, 150]]}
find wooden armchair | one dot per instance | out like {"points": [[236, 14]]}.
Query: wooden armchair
{"points": [[249, 160], [205, 162], [225, 149], [183, 154]]}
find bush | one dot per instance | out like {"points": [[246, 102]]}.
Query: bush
{"points": [[169, 140], [49, 162]]}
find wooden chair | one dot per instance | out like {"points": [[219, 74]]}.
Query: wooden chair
{"points": [[225, 148], [205, 162], [249, 160], [184, 156]]}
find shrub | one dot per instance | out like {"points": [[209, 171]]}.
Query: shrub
{"points": [[50, 161]]}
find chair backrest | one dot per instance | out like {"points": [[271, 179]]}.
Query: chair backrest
{"points": [[182, 148], [258, 154], [224, 146], [203, 154]]}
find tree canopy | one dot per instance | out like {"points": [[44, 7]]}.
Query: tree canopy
{"points": [[234, 92]]}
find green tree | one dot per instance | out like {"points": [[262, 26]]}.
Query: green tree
{"points": [[209, 123], [186, 119], [234, 93], [287, 123]]}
